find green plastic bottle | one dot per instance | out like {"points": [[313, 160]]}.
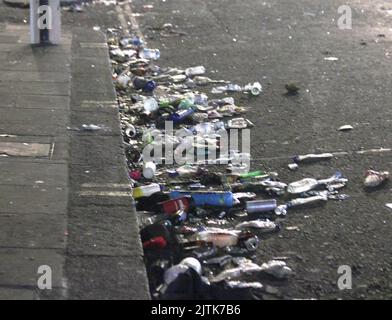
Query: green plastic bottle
{"points": [[252, 174]]}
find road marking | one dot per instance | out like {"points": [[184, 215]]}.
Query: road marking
{"points": [[106, 185], [93, 45], [123, 22], [134, 24], [89, 193], [109, 104]]}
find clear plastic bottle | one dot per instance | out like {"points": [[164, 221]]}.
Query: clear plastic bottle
{"points": [[195, 71], [150, 105], [311, 156], [123, 80], [150, 54], [302, 185]]}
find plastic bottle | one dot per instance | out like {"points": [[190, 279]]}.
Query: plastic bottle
{"points": [[302, 185], [146, 221], [146, 191], [220, 238], [144, 84], [135, 41], [303, 201], [149, 170], [150, 54], [177, 78], [173, 205], [204, 128], [260, 206], [252, 174], [123, 80], [336, 178], [310, 157], [150, 105], [247, 267], [210, 198], [180, 115], [276, 268], [201, 99], [227, 88], [185, 104], [262, 225], [204, 81], [195, 71]]}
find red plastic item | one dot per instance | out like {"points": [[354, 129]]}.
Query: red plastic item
{"points": [[135, 175], [174, 205], [155, 243]]}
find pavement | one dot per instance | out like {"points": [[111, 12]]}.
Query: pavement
{"points": [[64, 194], [274, 42]]}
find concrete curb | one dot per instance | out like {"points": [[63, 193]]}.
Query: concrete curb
{"points": [[105, 255]]}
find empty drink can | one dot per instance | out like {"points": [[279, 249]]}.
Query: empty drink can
{"points": [[260, 206]]}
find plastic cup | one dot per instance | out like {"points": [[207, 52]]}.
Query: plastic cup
{"points": [[149, 170]]}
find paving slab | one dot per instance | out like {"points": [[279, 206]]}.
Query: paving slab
{"points": [[11, 293], [41, 175], [42, 102], [47, 122], [103, 278], [33, 199], [107, 231], [27, 262], [23, 149], [37, 76], [43, 88], [32, 231]]}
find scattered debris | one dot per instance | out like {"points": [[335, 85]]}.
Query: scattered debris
{"points": [[209, 214], [292, 89], [375, 178], [346, 127]]}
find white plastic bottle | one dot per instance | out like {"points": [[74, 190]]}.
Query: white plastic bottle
{"points": [[146, 191]]}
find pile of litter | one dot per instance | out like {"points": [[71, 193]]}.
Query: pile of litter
{"points": [[202, 212]]}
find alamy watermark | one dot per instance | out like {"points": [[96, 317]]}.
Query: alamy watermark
{"points": [[345, 281], [345, 21], [44, 281], [45, 17], [211, 144]]}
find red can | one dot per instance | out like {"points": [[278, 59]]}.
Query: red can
{"points": [[174, 205]]}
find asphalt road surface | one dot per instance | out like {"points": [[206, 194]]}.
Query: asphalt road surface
{"points": [[281, 41], [277, 42]]}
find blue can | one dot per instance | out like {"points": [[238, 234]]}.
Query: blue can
{"points": [[206, 198], [180, 115], [150, 86]]}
